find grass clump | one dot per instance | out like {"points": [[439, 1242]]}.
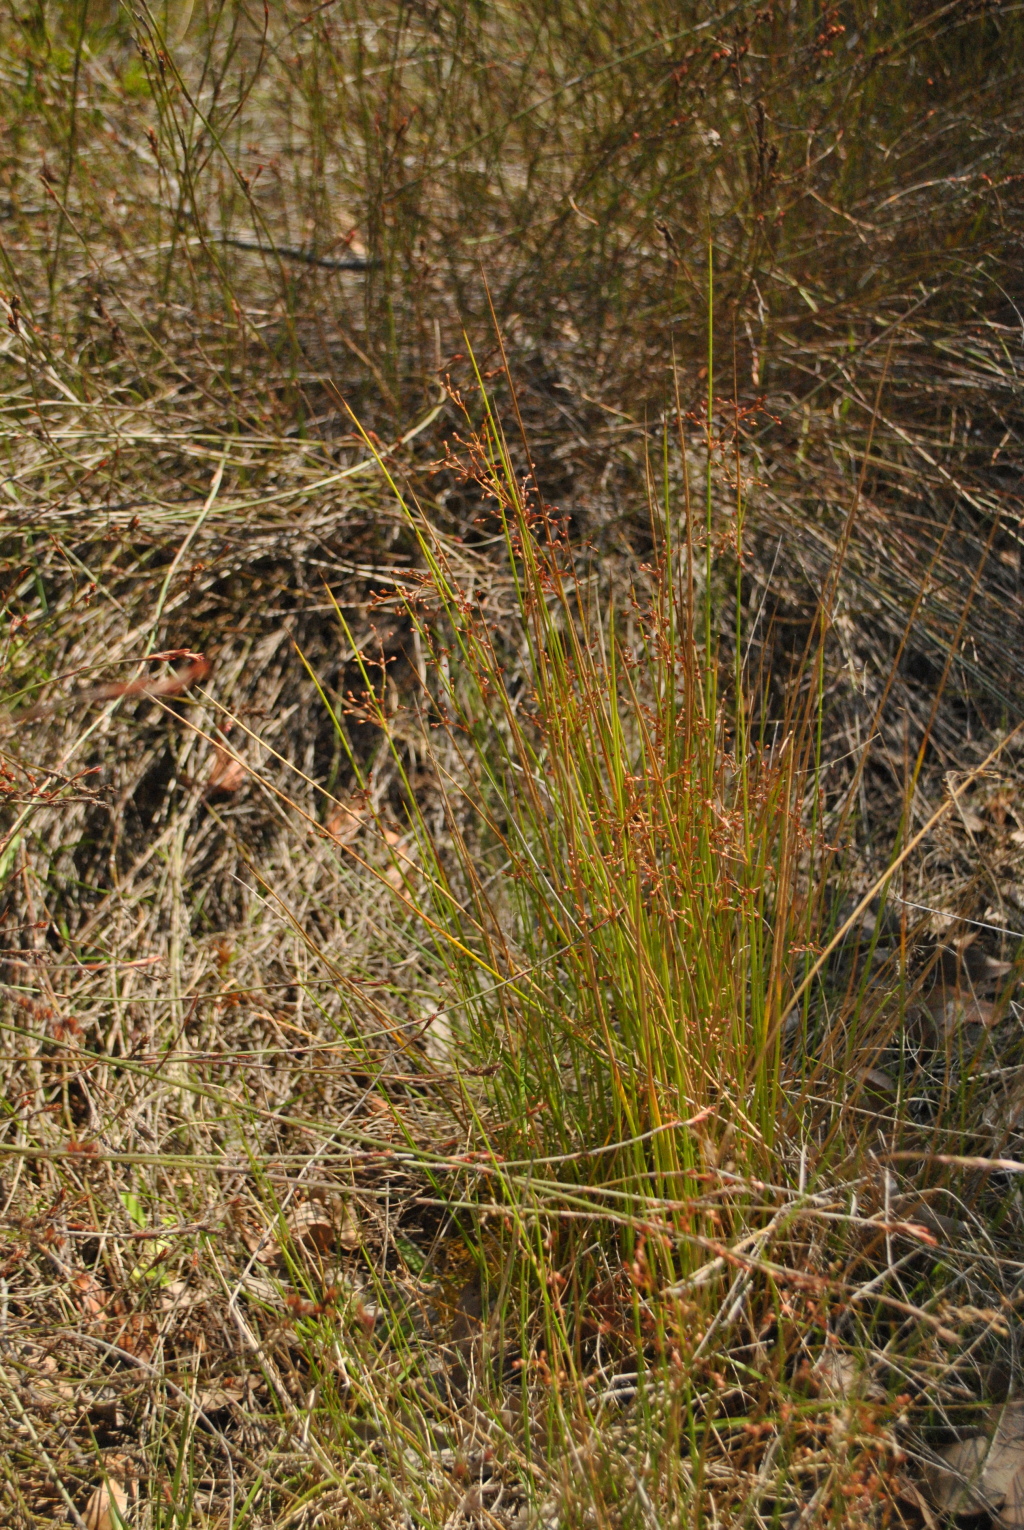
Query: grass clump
{"points": [[618, 906], [627, 870]]}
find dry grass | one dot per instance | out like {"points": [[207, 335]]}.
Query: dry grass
{"points": [[354, 989]]}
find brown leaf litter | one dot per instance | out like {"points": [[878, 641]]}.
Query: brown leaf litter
{"points": [[107, 1508], [984, 1474], [227, 773]]}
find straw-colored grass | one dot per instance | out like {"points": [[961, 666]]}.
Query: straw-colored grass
{"points": [[511, 536]]}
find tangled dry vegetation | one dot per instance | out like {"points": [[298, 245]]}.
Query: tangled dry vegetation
{"points": [[406, 828]]}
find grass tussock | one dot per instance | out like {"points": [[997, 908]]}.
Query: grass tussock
{"points": [[511, 835]]}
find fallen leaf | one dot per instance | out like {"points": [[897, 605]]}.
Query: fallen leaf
{"points": [[261, 1245], [1004, 1109], [226, 773], [395, 874], [1011, 1514], [45, 1393], [877, 1081], [1003, 1476], [107, 1509], [348, 818], [909, 1490], [950, 1011], [197, 669], [175, 1296], [1009, 1423], [916, 1230], [322, 1228], [998, 1471], [956, 1486], [215, 1399], [89, 1294], [349, 1235], [985, 1474], [950, 1228], [436, 1035], [841, 1375], [312, 1225], [994, 970]]}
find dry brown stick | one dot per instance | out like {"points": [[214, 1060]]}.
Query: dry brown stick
{"points": [[168, 685]]}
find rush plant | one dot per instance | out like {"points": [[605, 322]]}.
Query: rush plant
{"points": [[618, 888]]}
